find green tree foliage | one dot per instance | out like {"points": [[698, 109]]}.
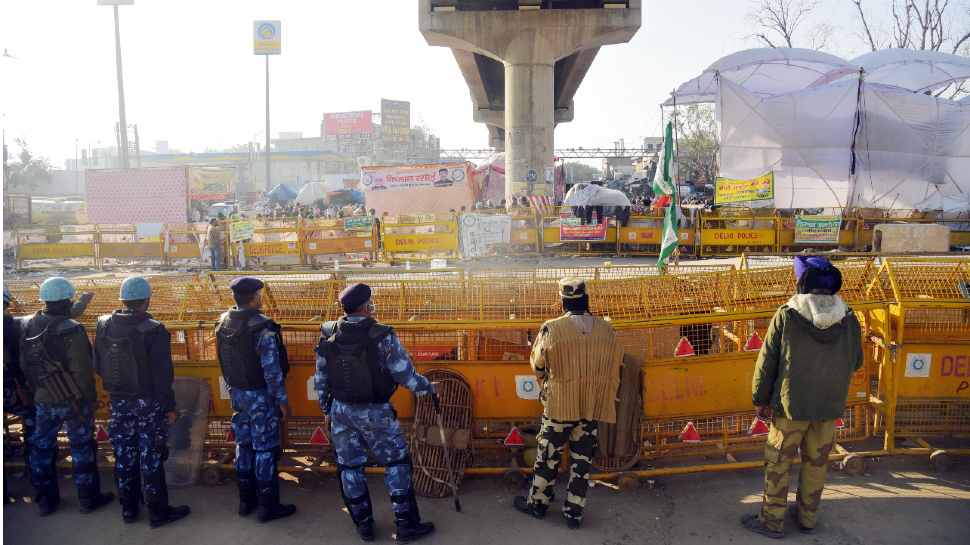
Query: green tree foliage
{"points": [[29, 171], [238, 148], [579, 172], [697, 141]]}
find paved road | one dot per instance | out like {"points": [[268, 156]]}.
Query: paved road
{"points": [[899, 500]]}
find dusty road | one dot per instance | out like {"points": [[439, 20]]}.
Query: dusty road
{"points": [[898, 500]]}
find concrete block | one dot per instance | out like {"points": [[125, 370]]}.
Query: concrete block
{"points": [[910, 237]]}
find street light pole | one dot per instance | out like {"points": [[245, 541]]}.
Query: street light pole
{"points": [[268, 178], [121, 96], [75, 164]]}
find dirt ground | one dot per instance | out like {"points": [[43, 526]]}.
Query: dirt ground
{"points": [[897, 500]]}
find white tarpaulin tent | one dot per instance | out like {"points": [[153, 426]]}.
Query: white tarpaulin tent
{"points": [[840, 133], [315, 191], [766, 71], [805, 137], [911, 146]]}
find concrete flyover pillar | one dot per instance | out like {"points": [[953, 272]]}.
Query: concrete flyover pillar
{"points": [[523, 66]]}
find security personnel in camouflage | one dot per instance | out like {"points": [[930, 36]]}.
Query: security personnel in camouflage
{"points": [[804, 371], [254, 365], [16, 396], [53, 347], [133, 357], [577, 357], [360, 364]]}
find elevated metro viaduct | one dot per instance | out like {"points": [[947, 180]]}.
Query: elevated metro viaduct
{"points": [[523, 61]]}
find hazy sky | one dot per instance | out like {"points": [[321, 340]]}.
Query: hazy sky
{"points": [[191, 78]]}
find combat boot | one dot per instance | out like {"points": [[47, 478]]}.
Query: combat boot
{"points": [[91, 502], [409, 529], [48, 504], [365, 529], [129, 509], [270, 507], [160, 514], [522, 504], [92, 498], [248, 497]]}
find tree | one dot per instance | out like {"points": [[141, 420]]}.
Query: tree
{"points": [[788, 23], [696, 151], [927, 25], [29, 172], [579, 172], [238, 148]]}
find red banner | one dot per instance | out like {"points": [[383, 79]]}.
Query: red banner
{"points": [[347, 125]]}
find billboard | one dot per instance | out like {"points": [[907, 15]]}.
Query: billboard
{"points": [[211, 183], [414, 177], [347, 125], [395, 121], [266, 37]]}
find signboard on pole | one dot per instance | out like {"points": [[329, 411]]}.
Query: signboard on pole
{"points": [[241, 230], [728, 191], [266, 37], [347, 126], [817, 229], [395, 121]]}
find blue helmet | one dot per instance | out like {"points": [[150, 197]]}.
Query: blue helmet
{"points": [[134, 288], [56, 289], [6, 295]]}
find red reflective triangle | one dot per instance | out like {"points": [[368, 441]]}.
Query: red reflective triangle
{"points": [[839, 424], [684, 348], [102, 435], [689, 435], [754, 342], [514, 438], [683, 249], [758, 428], [319, 438], [230, 437]]}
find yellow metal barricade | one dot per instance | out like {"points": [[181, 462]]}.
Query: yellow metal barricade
{"points": [[275, 243], [183, 242], [870, 217], [523, 237], [351, 240], [554, 228], [924, 338], [733, 231], [119, 246], [643, 236], [56, 247], [848, 231], [419, 237], [612, 272]]}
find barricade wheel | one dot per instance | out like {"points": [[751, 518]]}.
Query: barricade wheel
{"points": [[309, 479], [628, 482], [941, 461], [853, 464], [211, 476], [514, 479]]}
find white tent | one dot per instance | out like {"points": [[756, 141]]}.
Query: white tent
{"points": [[917, 71], [314, 191], [766, 71]]}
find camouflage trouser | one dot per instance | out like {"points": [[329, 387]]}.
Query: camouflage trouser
{"points": [[784, 440], [256, 428], [581, 436], [356, 428], [43, 455], [139, 431]]}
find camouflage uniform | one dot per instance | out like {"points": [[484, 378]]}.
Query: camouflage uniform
{"points": [[256, 420], [581, 436], [139, 431], [786, 436], [80, 434], [357, 427]]}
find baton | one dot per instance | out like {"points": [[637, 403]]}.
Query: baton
{"points": [[444, 445]]}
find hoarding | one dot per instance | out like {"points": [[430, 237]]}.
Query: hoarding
{"points": [[395, 121], [211, 183], [347, 125], [727, 191], [414, 177], [817, 229]]}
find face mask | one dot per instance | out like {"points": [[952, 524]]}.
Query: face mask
{"points": [[373, 308]]}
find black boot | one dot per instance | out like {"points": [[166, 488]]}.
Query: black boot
{"points": [[93, 498], [270, 507], [365, 529], [48, 498], [409, 529], [160, 512], [248, 498], [129, 508], [522, 504]]}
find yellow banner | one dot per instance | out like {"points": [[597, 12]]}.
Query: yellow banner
{"points": [[263, 249], [419, 243], [727, 191], [54, 251], [730, 237]]}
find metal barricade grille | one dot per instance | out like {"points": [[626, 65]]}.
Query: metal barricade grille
{"points": [[921, 417]]}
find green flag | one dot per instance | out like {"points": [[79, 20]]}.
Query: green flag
{"points": [[670, 237], [662, 182]]}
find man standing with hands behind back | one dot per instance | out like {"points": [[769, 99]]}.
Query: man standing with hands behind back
{"points": [[360, 364], [254, 364], [804, 370]]}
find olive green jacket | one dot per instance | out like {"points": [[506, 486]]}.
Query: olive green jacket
{"points": [[77, 348], [805, 368]]}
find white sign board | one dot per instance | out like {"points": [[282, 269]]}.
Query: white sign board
{"points": [[266, 37], [311, 394], [526, 387], [223, 389], [918, 365], [476, 231]]}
